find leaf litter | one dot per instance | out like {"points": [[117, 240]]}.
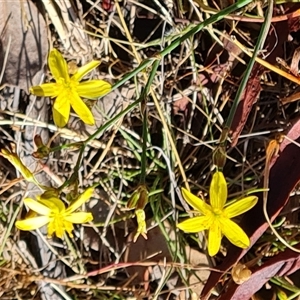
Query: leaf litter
{"points": [[195, 86]]}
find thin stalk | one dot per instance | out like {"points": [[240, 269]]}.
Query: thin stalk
{"points": [[156, 60], [112, 121], [215, 18], [145, 120], [144, 145], [260, 42]]}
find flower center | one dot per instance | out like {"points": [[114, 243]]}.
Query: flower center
{"points": [[66, 87], [217, 211]]}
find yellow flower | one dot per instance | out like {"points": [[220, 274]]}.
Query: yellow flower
{"points": [[54, 213], [69, 90], [215, 218]]}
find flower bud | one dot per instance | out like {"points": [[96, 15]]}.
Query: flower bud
{"points": [[42, 150], [219, 157], [240, 273], [139, 198], [14, 159]]}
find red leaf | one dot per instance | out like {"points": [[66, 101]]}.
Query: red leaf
{"points": [[274, 44], [285, 263], [248, 99]]}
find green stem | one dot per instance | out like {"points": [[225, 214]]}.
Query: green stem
{"points": [[260, 42], [75, 173], [112, 121], [156, 60], [145, 120], [215, 18], [144, 146]]}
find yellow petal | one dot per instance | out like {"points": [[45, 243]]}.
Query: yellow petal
{"points": [[218, 191], [32, 223], [84, 70], [214, 238], [85, 196], [82, 110], [79, 217], [240, 206], [197, 203], [142, 227], [68, 226], [51, 228], [195, 224], [54, 204], [234, 233], [58, 66], [44, 90], [140, 218], [93, 89], [56, 226], [37, 207], [61, 111]]}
